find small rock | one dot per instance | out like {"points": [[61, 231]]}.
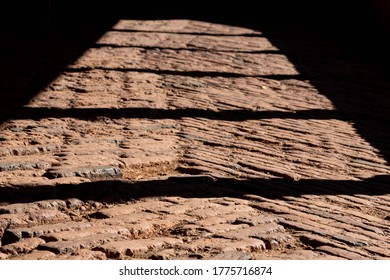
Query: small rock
{"points": [[3, 256], [74, 203], [232, 255], [92, 172]]}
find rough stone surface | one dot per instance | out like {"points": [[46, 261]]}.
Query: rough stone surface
{"points": [[22, 247], [184, 139], [3, 256]]}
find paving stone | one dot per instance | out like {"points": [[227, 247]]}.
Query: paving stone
{"points": [[47, 216], [28, 150], [90, 231], [218, 245], [230, 201], [177, 200], [225, 219], [254, 231], [65, 181], [275, 241], [198, 244], [183, 205], [233, 255], [384, 252], [36, 255], [177, 209], [340, 253], [319, 241], [71, 246], [315, 240], [30, 218], [148, 220], [74, 203], [285, 209], [329, 232], [346, 220], [164, 254], [133, 218], [93, 172], [9, 166], [299, 254], [167, 161], [12, 235], [23, 179], [22, 247], [189, 230], [151, 206], [205, 128], [356, 229], [11, 220], [125, 214], [135, 229], [134, 248], [246, 244], [217, 209], [171, 221], [257, 220], [82, 254], [222, 228], [3, 256], [52, 204], [104, 58], [18, 208]]}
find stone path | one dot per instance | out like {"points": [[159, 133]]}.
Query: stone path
{"points": [[184, 139]]}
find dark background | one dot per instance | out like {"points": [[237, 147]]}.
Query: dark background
{"points": [[362, 26]]}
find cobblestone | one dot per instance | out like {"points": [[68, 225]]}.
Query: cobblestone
{"points": [[15, 234], [253, 231], [341, 253], [83, 254], [93, 172], [169, 140], [222, 228], [303, 255], [151, 206], [22, 247], [218, 245], [232, 255], [135, 248], [37, 255], [3, 256], [71, 246], [91, 231]]}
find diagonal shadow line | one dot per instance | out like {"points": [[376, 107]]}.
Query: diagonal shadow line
{"points": [[117, 190], [191, 49], [185, 73], [36, 113], [188, 33]]}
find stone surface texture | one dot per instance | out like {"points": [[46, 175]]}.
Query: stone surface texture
{"points": [[183, 139]]}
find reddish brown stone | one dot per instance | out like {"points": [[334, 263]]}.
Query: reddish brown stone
{"points": [[22, 247], [134, 248], [338, 252], [36, 255], [88, 242], [253, 231], [3, 256], [210, 140]]}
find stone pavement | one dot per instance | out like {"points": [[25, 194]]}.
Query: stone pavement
{"points": [[180, 139]]}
